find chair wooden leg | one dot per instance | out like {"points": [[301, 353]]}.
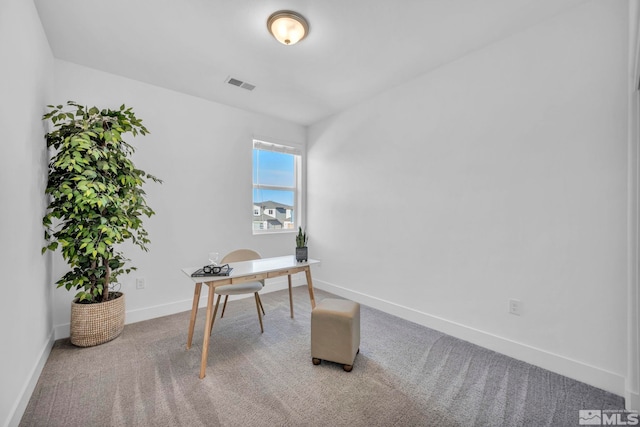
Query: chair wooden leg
{"points": [[260, 301], [215, 311], [259, 314], [224, 306]]}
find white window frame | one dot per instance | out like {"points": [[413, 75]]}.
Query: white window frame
{"points": [[298, 190]]}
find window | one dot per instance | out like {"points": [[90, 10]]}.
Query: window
{"points": [[276, 187]]}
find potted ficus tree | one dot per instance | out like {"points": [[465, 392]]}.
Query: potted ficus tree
{"points": [[96, 203], [302, 253]]}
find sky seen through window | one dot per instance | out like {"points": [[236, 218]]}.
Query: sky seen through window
{"points": [[273, 168]]}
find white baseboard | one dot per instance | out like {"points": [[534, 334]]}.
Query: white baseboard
{"points": [[574, 369], [580, 371], [15, 415], [152, 312], [147, 313]]}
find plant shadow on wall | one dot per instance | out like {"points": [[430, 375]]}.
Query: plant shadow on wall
{"points": [[96, 203]]}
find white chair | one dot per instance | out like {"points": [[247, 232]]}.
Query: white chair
{"points": [[242, 288]]}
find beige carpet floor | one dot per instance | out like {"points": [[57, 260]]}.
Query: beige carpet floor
{"points": [[405, 375]]}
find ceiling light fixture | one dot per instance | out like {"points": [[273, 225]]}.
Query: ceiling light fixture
{"points": [[287, 27]]}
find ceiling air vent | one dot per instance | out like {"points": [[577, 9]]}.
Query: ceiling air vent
{"points": [[240, 83]]}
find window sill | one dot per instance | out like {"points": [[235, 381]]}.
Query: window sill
{"points": [[268, 232]]}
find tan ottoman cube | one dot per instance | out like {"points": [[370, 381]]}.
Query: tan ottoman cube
{"points": [[335, 332]]}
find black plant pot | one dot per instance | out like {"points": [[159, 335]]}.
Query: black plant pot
{"points": [[302, 254]]}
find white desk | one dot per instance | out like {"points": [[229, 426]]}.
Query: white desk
{"points": [[245, 271]]}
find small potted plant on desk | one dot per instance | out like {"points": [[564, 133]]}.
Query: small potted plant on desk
{"points": [[302, 254]]}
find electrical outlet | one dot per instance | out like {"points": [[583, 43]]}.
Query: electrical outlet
{"points": [[515, 307], [140, 283]]}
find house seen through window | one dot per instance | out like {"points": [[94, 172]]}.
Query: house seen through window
{"points": [[276, 187]]}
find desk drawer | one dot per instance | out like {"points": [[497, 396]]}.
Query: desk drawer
{"points": [[285, 272], [252, 278]]}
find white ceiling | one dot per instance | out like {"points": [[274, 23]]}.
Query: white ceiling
{"points": [[355, 48]]}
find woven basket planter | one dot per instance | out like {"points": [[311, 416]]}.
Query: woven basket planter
{"points": [[94, 324]]}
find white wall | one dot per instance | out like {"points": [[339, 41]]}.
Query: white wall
{"points": [[202, 151], [500, 175], [633, 328], [25, 312]]}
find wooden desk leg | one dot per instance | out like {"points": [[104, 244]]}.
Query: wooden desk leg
{"points": [[194, 312], [310, 285], [290, 296], [207, 333]]}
